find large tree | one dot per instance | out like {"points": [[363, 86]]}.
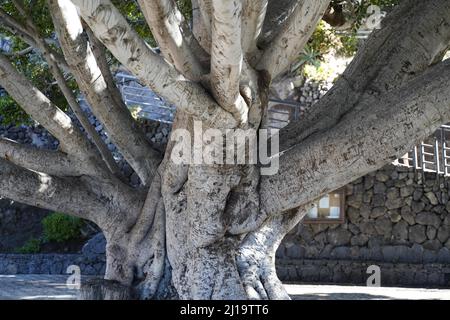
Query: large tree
{"points": [[210, 231]]}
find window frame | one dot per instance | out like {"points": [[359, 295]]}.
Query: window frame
{"points": [[342, 213]]}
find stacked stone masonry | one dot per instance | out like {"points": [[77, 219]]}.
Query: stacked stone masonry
{"points": [[88, 265], [395, 218]]}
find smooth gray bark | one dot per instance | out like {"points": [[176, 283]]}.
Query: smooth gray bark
{"points": [[113, 30], [364, 140], [169, 27], [121, 127], [29, 37], [295, 33]]}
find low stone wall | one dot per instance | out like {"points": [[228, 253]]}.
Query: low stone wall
{"points": [[11, 264], [429, 275]]}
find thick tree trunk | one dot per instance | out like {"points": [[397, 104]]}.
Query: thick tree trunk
{"points": [[204, 259], [208, 252], [201, 234]]}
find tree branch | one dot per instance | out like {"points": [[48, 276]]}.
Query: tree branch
{"points": [[205, 8], [111, 111], [20, 53], [364, 140], [277, 13], [414, 36], [40, 108], [166, 23], [20, 7], [13, 23], [81, 116], [67, 92], [113, 31], [100, 202], [291, 40], [29, 37], [200, 26], [66, 195], [253, 15], [99, 52], [227, 58], [40, 44], [48, 161]]}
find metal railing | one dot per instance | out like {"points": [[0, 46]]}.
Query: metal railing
{"points": [[431, 155], [148, 105]]}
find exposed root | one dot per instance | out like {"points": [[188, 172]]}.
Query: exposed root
{"points": [[258, 274], [136, 257], [256, 257], [153, 269], [100, 289]]}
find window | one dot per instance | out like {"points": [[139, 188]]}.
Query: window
{"points": [[329, 209]]}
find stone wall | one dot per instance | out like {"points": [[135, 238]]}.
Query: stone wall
{"points": [[91, 261], [90, 265], [431, 275], [18, 224], [396, 217]]}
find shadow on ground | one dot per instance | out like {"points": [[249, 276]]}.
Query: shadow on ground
{"points": [[55, 287], [339, 296]]}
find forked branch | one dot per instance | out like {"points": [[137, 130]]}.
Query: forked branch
{"points": [[227, 57], [112, 29], [109, 108], [167, 25], [291, 40]]}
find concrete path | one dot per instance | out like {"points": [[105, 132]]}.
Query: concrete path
{"points": [[50, 287], [35, 287], [322, 292]]}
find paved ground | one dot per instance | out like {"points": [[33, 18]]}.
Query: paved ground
{"points": [[35, 287], [40, 287], [310, 292]]}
